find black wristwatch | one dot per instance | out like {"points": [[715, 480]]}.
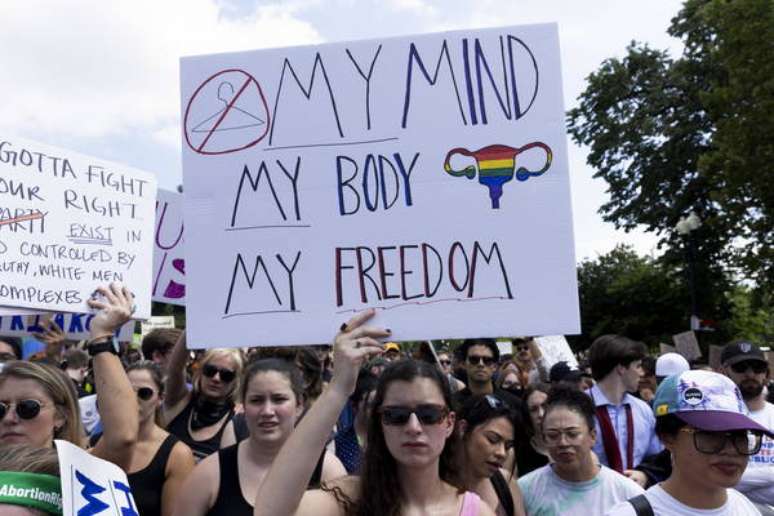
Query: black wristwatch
{"points": [[102, 345]]}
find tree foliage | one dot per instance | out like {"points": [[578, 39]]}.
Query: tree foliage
{"points": [[751, 319], [694, 133], [623, 293]]}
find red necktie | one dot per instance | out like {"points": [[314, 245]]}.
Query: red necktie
{"points": [[610, 441]]}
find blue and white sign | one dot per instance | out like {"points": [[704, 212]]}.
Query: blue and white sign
{"points": [[92, 486]]}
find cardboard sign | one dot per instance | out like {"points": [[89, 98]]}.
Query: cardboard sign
{"points": [[714, 357], [423, 176], [75, 326], [69, 223], [91, 485], [168, 257], [157, 321], [666, 348], [687, 345], [555, 348]]}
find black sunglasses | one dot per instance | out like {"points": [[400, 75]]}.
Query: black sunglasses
{"points": [[475, 360], [426, 414], [227, 375], [746, 442], [445, 362], [25, 409], [757, 367], [145, 393]]}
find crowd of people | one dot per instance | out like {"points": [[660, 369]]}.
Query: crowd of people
{"points": [[366, 426]]}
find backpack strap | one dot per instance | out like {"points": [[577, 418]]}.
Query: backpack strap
{"points": [[641, 505]]}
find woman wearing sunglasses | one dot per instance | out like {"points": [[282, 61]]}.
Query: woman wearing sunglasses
{"points": [[486, 429], [161, 462], [407, 466], [702, 420], [38, 403], [199, 417], [226, 482]]}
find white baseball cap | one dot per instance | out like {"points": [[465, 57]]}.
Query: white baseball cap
{"points": [[671, 363]]}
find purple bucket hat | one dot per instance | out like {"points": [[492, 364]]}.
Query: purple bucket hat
{"points": [[705, 400]]}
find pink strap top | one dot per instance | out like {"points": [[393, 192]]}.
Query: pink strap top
{"points": [[470, 504]]}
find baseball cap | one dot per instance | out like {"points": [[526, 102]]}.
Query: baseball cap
{"points": [[741, 351], [391, 346], [562, 371], [671, 363], [705, 400]]}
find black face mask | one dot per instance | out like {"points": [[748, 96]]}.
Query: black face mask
{"points": [[207, 412]]}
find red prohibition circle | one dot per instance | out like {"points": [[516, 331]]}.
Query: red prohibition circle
{"points": [[249, 79]]}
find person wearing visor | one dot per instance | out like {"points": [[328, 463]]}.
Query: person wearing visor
{"points": [[747, 367], [703, 421], [658, 467], [29, 481]]}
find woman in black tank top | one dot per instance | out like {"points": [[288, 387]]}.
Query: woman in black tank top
{"points": [[199, 417], [160, 462], [485, 429], [226, 483]]}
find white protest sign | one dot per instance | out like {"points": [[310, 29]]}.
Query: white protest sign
{"points": [[555, 348], [91, 485], [424, 176], [69, 223], [715, 353], [157, 321], [687, 345], [505, 347], [75, 326], [168, 258]]}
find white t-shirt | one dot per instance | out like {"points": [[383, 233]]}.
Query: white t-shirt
{"points": [[664, 504], [757, 482], [545, 494]]}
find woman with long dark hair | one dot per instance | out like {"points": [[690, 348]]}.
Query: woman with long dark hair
{"points": [[487, 429], [225, 483], [408, 464], [532, 453]]}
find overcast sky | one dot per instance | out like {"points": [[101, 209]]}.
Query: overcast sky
{"points": [[102, 78]]}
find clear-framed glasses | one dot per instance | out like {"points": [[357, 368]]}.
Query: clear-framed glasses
{"points": [[746, 442], [554, 437]]}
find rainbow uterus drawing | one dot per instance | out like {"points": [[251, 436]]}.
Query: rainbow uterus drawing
{"points": [[495, 166]]}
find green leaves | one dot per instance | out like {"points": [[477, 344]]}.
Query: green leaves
{"points": [[692, 133]]}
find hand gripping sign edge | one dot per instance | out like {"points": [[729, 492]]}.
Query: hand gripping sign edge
{"points": [[249, 79]]}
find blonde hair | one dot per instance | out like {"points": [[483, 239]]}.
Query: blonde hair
{"points": [[211, 354], [59, 388], [28, 459]]}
